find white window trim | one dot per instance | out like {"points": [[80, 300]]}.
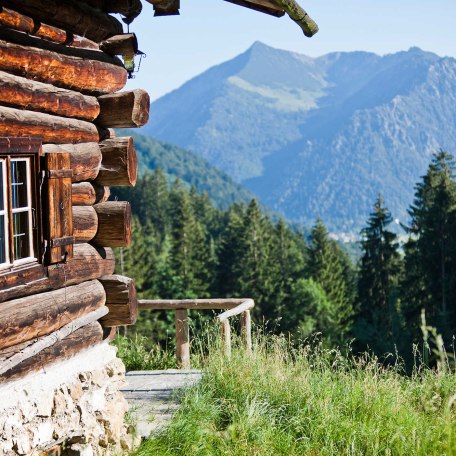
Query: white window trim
{"points": [[4, 212]]}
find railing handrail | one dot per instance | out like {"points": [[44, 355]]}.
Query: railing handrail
{"points": [[233, 306]]}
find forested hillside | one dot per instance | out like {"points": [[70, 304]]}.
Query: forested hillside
{"points": [[317, 137], [185, 247]]}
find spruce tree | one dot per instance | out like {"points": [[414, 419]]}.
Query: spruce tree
{"points": [[431, 250], [377, 322]]}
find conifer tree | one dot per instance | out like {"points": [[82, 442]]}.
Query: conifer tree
{"points": [[431, 250], [377, 319]]}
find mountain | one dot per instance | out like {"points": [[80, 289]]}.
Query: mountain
{"points": [[189, 168], [317, 137]]}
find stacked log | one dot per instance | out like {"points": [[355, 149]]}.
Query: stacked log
{"points": [[60, 81]]}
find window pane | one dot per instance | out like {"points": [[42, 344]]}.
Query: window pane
{"points": [[21, 235], [19, 184], [2, 239], [2, 189]]}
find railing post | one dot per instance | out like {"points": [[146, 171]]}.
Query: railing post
{"points": [[182, 339], [246, 330], [226, 336]]}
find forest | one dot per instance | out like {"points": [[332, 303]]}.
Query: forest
{"points": [[399, 297]]}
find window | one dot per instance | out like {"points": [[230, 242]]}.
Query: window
{"points": [[18, 217]]}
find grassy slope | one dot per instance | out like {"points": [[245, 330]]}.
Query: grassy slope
{"points": [[279, 402]]}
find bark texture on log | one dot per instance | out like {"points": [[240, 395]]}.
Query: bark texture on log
{"points": [[79, 69], [73, 16], [124, 110], [85, 223], [86, 194], [50, 129], [121, 301], [114, 224], [119, 162], [33, 316], [16, 91], [128, 8], [21, 22], [83, 338], [85, 159]]}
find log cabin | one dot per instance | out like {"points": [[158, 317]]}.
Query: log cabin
{"points": [[61, 81]]}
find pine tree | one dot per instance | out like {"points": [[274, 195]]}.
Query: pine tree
{"points": [[377, 318], [431, 251], [326, 265]]}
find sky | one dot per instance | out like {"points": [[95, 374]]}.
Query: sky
{"points": [[209, 32]]}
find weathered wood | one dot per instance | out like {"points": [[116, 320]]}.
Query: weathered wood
{"points": [[121, 301], [124, 110], [77, 69], [15, 20], [85, 223], [247, 304], [182, 339], [33, 316], [88, 263], [16, 91], [83, 338], [85, 159], [109, 334], [57, 211], [12, 356], [86, 194], [264, 6], [246, 330], [114, 224], [226, 337], [73, 16], [128, 8], [119, 162], [197, 304], [297, 14], [125, 44], [51, 129], [165, 7]]}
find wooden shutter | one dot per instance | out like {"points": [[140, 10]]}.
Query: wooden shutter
{"points": [[59, 214]]}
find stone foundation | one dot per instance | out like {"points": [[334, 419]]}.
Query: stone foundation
{"points": [[75, 404]]}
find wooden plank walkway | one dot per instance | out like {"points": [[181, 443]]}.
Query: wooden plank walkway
{"points": [[151, 396]]}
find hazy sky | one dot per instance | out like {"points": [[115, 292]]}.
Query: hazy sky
{"points": [[211, 31]]}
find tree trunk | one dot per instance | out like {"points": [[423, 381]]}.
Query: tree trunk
{"points": [[85, 194], [121, 301], [75, 17], [114, 224], [50, 129], [124, 110], [23, 93], [34, 316], [119, 162]]}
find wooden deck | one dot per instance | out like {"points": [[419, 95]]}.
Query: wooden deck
{"points": [[152, 396]]}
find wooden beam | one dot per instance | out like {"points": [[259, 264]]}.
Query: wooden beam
{"points": [[119, 162], [81, 70], [19, 92], [197, 304], [86, 194], [246, 330], [124, 109], [85, 223], [128, 8], [182, 339], [226, 337], [17, 21], [165, 7], [300, 16], [50, 129], [73, 16], [125, 44], [83, 338], [26, 318], [85, 159], [264, 6], [121, 301], [114, 224], [88, 263]]}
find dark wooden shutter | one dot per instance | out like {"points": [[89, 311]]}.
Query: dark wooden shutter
{"points": [[59, 214]]}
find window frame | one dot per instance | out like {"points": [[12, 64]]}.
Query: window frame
{"points": [[30, 152]]}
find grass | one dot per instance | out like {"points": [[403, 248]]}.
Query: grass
{"points": [[310, 401]]}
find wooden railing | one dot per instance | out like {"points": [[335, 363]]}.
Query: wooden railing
{"points": [[232, 308]]}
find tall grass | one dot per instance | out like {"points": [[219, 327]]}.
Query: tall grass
{"points": [[310, 401]]}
